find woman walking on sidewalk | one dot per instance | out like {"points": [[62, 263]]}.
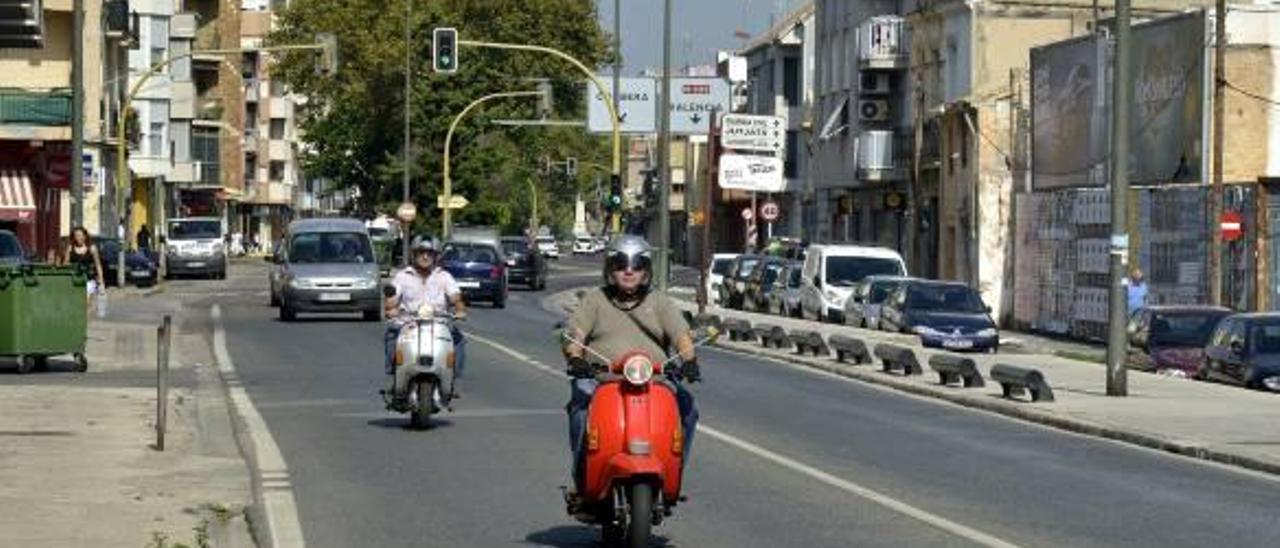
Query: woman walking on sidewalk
{"points": [[84, 255]]}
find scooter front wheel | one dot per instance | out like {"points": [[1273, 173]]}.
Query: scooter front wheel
{"points": [[420, 415], [640, 520]]}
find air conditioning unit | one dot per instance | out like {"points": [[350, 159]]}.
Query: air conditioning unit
{"points": [[873, 110], [873, 83]]}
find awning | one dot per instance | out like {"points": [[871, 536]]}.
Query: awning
{"points": [[17, 201]]}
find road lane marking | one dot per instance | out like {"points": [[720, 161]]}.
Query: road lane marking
{"points": [[275, 490], [466, 413], [801, 468]]}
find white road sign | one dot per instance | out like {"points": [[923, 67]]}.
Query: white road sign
{"points": [[637, 106], [757, 173], [693, 100], [769, 211], [753, 132]]}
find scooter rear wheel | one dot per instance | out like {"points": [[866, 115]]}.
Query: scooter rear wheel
{"points": [[640, 522]]}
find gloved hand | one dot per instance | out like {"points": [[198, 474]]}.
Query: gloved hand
{"points": [[579, 367], [691, 371]]}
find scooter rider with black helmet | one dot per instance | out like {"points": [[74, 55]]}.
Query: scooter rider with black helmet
{"points": [[621, 316]]}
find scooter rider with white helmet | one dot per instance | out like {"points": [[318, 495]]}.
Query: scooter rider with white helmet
{"points": [[424, 281], [622, 316]]}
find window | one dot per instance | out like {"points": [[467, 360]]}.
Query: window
{"points": [[155, 139], [789, 167], [277, 128], [250, 118], [250, 168], [791, 80], [277, 88], [249, 66], [275, 171], [159, 38]]}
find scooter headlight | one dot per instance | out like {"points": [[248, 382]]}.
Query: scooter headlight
{"points": [[426, 311], [638, 370]]}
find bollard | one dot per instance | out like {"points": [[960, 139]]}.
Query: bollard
{"points": [[163, 336]]}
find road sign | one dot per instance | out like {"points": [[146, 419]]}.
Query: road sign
{"points": [[1232, 225], [769, 211], [753, 132], [746, 214], [407, 212], [692, 102], [637, 106], [457, 202], [757, 173]]}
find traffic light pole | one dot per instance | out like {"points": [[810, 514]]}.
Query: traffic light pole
{"points": [[447, 225], [608, 101], [664, 156]]}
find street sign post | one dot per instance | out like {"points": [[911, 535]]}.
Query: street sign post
{"points": [[1232, 225], [637, 107], [754, 173], [753, 132], [693, 103]]}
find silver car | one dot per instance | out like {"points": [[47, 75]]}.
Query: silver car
{"points": [[326, 265], [862, 309]]}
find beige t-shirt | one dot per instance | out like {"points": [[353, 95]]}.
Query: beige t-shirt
{"points": [[610, 332]]}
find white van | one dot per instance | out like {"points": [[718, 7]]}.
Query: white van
{"points": [[830, 272]]}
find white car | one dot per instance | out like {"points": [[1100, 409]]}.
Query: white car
{"points": [[831, 271], [584, 245], [719, 267], [547, 246]]}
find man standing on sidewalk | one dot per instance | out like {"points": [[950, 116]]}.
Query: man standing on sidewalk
{"points": [[1137, 290]]}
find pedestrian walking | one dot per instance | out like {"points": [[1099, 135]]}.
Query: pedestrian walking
{"points": [[144, 239], [1137, 291], [83, 255]]}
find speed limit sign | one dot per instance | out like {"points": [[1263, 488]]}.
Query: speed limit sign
{"points": [[746, 214], [769, 211]]}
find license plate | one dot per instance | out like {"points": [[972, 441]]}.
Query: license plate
{"points": [[141, 273], [469, 285], [335, 297], [195, 265], [957, 343]]}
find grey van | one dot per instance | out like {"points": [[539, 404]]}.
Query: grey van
{"points": [[325, 266]]}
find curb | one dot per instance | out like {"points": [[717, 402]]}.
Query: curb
{"points": [[1027, 414]]}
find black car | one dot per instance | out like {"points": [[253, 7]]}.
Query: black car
{"points": [[1170, 339], [733, 288], [947, 315], [525, 264], [480, 269], [1245, 350], [761, 283], [140, 268]]}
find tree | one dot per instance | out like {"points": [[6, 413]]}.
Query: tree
{"points": [[353, 121]]}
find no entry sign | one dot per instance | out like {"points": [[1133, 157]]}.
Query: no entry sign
{"points": [[1232, 225]]}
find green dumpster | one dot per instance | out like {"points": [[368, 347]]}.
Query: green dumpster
{"points": [[42, 314], [384, 252]]}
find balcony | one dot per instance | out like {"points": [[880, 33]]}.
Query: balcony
{"points": [[250, 141], [251, 94], [35, 108], [208, 37], [183, 25], [279, 150], [883, 156], [882, 43]]}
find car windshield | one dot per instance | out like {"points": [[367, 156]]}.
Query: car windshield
{"points": [[795, 277], [330, 247], [846, 271], [471, 254], [880, 290], [195, 230], [745, 266], [9, 247], [515, 246], [771, 273], [721, 266], [1184, 329], [546, 240], [944, 298], [1264, 338]]}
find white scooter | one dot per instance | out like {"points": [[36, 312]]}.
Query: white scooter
{"points": [[424, 363]]}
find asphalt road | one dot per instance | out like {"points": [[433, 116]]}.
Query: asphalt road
{"points": [[788, 457]]}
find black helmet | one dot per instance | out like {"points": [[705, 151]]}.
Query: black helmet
{"points": [[628, 251]]}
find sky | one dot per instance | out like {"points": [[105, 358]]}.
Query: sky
{"points": [[699, 28]]}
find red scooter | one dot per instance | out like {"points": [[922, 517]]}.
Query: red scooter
{"points": [[634, 450]]}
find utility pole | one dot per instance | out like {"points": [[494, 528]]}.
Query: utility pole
{"points": [[664, 154], [1219, 115], [77, 113], [617, 50], [708, 207], [406, 231], [1117, 345]]}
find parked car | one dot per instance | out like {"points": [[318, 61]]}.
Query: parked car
{"points": [[547, 245], [326, 266], [480, 269], [195, 246], [760, 283], [525, 264], [1245, 350], [830, 272], [947, 315], [784, 300], [140, 268], [720, 263], [1171, 339], [584, 245], [11, 252], [733, 288], [862, 308]]}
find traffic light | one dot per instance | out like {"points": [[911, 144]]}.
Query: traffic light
{"points": [[546, 101], [444, 49], [614, 201], [327, 63], [571, 166], [21, 24]]}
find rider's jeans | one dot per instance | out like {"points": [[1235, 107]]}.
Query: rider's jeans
{"points": [[389, 345], [580, 393]]}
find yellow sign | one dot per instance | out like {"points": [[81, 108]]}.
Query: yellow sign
{"points": [[697, 219], [458, 202]]}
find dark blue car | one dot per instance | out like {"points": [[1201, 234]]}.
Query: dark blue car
{"points": [[947, 315], [1245, 350], [141, 268], [480, 269]]}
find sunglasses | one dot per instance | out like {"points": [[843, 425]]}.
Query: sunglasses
{"points": [[637, 263]]}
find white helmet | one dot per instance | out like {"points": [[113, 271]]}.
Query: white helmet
{"points": [[629, 251]]}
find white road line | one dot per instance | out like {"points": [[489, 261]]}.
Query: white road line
{"points": [[275, 491], [811, 472]]}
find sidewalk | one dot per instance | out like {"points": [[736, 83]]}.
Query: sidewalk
{"points": [[78, 458], [1209, 421]]}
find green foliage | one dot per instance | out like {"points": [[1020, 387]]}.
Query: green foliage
{"points": [[353, 122]]}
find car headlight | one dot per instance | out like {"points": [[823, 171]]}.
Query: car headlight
{"points": [[1172, 372], [301, 283], [1272, 383], [926, 330], [365, 284], [988, 332]]}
